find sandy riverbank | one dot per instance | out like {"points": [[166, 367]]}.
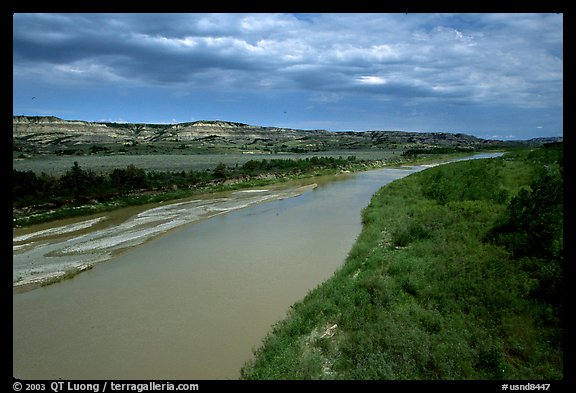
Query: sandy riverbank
{"points": [[58, 252]]}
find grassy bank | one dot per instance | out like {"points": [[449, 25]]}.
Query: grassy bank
{"points": [[444, 282]]}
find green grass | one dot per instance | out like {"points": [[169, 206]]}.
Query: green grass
{"points": [[422, 294], [67, 275]]}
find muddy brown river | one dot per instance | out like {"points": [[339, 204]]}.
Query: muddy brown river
{"points": [[183, 290]]}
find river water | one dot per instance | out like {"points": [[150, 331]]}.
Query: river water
{"points": [[188, 289]]}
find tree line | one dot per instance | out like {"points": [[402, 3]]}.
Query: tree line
{"points": [[413, 152], [80, 185]]}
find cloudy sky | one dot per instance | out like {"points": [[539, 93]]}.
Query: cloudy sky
{"points": [[490, 75]]}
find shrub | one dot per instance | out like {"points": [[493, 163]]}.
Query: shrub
{"points": [[408, 232]]}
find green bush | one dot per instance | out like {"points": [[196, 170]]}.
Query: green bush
{"points": [[409, 232]]}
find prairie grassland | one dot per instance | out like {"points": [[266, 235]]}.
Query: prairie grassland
{"points": [[58, 165]]}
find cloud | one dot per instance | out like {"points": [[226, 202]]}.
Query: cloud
{"points": [[461, 59], [371, 80]]}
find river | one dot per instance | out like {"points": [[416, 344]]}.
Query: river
{"points": [[189, 288]]}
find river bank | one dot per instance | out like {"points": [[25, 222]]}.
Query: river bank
{"points": [[46, 253], [426, 293], [233, 180]]}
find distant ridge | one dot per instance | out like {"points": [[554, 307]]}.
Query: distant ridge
{"points": [[51, 130]]}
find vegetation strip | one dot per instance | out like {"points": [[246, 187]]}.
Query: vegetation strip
{"points": [[41, 197], [457, 274]]}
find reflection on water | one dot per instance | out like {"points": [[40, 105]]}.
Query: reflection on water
{"points": [[194, 303]]}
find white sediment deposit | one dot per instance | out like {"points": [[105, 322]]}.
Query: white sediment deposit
{"points": [[51, 253]]}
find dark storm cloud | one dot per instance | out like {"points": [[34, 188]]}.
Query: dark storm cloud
{"points": [[143, 48]]}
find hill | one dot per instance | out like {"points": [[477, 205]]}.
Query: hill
{"points": [[49, 134]]}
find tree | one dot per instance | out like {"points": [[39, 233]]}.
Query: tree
{"points": [[533, 232], [536, 218], [220, 171], [75, 181], [130, 178]]}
